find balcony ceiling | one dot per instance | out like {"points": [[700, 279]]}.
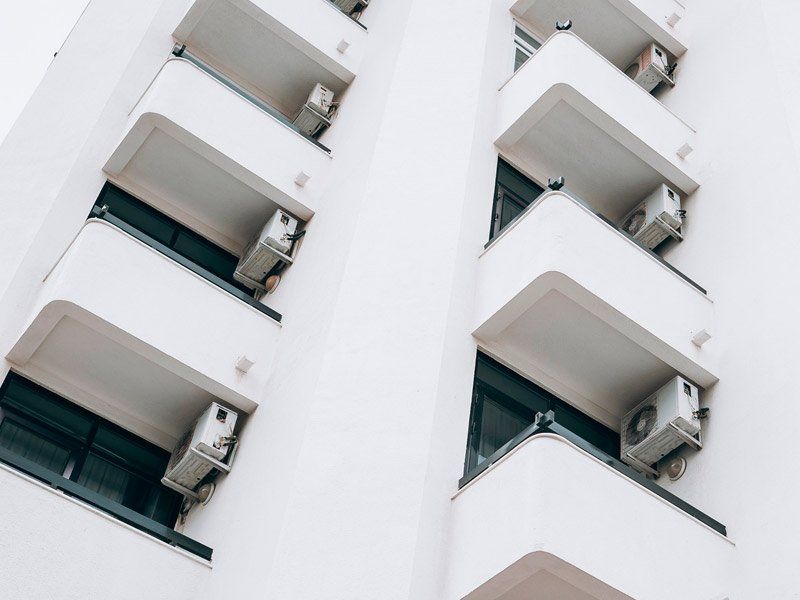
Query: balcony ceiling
{"points": [[617, 29], [596, 166], [561, 340], [251, 46], [545, 585], [86, 366], [195, 191]]}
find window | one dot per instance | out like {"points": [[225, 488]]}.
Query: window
{"points": [[513, 193], [171, 234], [504, 404], [38, 425], [525, 46]]}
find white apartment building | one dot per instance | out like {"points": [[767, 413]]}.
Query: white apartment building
{"points": [[454, 375]]}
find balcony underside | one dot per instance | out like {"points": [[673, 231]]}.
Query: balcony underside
{"points": [[279, 50], [551, 521], [618, 29], [569, 112], [133, 336], [211, 160], [567, 300]]}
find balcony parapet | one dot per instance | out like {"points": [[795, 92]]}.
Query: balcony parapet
{"points": [[550, 516]]}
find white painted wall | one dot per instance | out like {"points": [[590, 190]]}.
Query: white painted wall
{"points": [[343, 484], [57, 547]]}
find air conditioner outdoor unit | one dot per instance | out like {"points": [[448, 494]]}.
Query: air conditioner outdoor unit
{"points": [[655, 218], [667, 419], [272, 245], [351, 6], [210, 437], [315, 115], [651, 67]]}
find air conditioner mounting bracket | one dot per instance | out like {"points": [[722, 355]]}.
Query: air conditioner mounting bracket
{"points": [[694, 442], [643, 467]]}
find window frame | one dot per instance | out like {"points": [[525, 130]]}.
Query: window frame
{"points": [[517, 406], [501, 191], [521, 44], [79, 450]]}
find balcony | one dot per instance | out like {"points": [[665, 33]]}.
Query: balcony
{"points": [[140, 339], [569, 112], [557, 519], [571, 302], [213, 160], [617, 29], [41, 525], [279, 50]]}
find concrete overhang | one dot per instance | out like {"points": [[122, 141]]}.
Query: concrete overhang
{"points": [[569, 301], [277, 49], [569, 112], [212, 160], [133, 336]]}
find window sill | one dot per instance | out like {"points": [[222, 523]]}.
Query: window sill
{"points": [[104, 507]]}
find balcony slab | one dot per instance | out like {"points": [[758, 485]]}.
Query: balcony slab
{"points": [[212, 160], [139, 339], [569, 112], [571, 302]]}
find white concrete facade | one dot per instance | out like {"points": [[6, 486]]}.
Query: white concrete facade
{"points": [[356, 410]]}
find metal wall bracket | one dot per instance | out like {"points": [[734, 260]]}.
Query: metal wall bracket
{"points": [[641, 466], [694, 442], [218, 465], [191, 494], [674, 233]]}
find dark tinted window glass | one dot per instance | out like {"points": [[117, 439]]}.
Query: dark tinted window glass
{"points": [[161, 505], [510, 209], [513, 193], [593, 432], [170, 233], [506, 403], [517, 183], [47, 408], [205, 254], [136, 213], [145, 459], [104, 478], [498, 425], [39, 426], [498, 380], [519, 58], [527, 38], [32, 446]]}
